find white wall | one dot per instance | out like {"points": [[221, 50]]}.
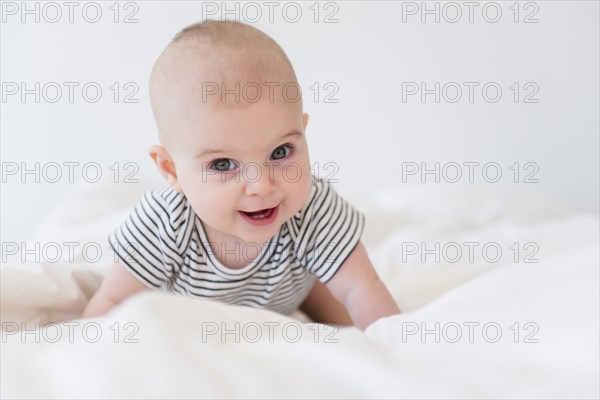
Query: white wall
{"points": [[367, 54]]}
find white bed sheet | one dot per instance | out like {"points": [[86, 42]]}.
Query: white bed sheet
{"points": [[177, 356]]}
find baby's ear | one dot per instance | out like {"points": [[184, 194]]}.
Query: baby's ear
{"points": [[165, 165], [304, 119]]}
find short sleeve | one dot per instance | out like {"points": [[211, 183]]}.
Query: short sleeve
{"points": [[148, 242], [327, 231]]}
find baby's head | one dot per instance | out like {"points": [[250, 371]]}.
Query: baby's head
{"points": [[232, 129]]}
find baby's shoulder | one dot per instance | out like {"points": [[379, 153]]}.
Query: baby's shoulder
{"points": [[168, 209], [321, 193], [319, 199]]}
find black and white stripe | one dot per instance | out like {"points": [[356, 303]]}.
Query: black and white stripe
{"points": [[163, 243]]}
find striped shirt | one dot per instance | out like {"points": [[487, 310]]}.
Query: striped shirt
{"points": [[164, 245]]}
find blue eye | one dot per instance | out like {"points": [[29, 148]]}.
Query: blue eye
{"points": [[281, 152], [222, 164]]}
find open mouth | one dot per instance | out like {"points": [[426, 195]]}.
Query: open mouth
{"points": [[261, 217], [260, 214]]}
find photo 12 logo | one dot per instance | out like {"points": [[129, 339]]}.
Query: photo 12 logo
{"points": [[69, 92], [253, 332], [253, 172], [470, 252], [253, 92], [469, 331], [53, 12], [71, 331], [469, 172], [252, 12], [469, 92], [68, 171], [62, 252], [452, 12]]}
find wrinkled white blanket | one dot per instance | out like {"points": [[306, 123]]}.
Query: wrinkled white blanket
{"points": [[470, 329]]}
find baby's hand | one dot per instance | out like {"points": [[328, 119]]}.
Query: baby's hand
{"points": [[118, 285], [357, 286]]}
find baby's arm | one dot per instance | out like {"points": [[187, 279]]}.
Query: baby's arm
{"points": [[118, 285], [357, 286]]}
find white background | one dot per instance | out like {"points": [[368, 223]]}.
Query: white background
{"points": [[368, 53]]}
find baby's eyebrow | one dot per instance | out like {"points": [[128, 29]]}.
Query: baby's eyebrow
{"points": [[206, 152], [291, 133]]}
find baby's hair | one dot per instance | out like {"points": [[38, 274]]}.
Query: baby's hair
{"points": [[218, 31], [216, 52], [232, 35]]}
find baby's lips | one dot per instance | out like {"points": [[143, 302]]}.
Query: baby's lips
{"points": [[265, 215], [257, 211]]}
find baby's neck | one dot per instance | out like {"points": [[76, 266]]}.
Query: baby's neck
{"points": [[232, 252]]}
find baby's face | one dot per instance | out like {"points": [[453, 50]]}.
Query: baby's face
{"points": [[232, 161]]}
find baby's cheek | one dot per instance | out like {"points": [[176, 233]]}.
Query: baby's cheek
{"points": [[204, 194], [291, 172], [302, 187]]}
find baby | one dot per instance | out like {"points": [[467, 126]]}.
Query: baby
{"points": [[242, 219]]}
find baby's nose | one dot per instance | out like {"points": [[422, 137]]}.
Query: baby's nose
{"points": [[259, 180]]}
